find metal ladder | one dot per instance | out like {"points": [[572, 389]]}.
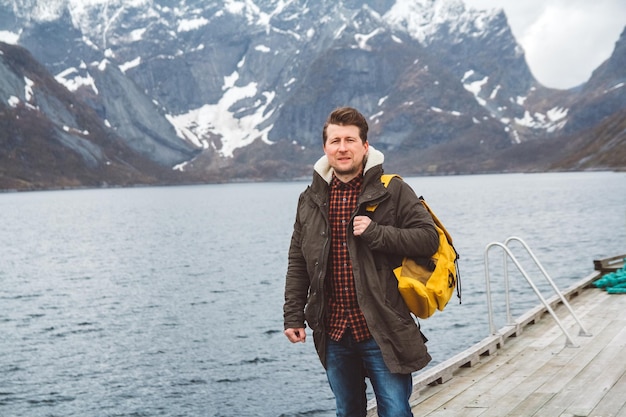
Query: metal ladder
{"points": [[569, 342]]}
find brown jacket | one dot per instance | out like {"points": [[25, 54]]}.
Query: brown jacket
{"points": [[400, 227]]}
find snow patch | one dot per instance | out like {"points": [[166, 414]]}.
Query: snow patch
{"points": [[187, 25], [89, 43], [553, 120], [556, 113], [9, 37], [422, 19], [362, 39], [250, 11], [516, 137], [13, 101], [72, 80], [230, 80], [450, 112], [200, 125], [130, 64], [73, 130], [375, 116], [494, 93], [28, 89], [615, 87], [102, 66], [137, 34], [476, 86], [181, 166], [186, 133], [467, 75]]}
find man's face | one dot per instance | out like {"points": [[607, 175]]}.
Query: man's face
{"points": [[345, 151]]}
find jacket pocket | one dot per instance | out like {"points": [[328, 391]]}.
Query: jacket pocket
{"points": [[393, 298]]}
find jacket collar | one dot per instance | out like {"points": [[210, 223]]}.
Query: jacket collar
{"points": [[374, 158]]}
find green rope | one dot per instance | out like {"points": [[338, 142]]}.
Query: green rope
{"points": [[613, 282]]}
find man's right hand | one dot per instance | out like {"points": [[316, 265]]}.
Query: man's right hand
{"points": [[296, 335]]}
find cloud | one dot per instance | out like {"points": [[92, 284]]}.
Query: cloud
{"points": [[564, 40]]}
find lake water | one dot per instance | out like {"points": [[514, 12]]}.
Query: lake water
{"points": [[167, 301]]}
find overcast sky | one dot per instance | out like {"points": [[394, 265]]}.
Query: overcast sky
{"points": [[564, 40]]}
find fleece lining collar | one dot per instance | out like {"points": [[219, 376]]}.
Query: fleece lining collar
{"points": [[373, 158]]}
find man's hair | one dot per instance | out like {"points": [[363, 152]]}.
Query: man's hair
{"points": [[347, 116]]}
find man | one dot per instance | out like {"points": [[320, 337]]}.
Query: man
{"points": [[340, 275]]}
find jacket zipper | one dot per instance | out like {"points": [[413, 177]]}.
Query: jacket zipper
{"points": [[322, 272]]}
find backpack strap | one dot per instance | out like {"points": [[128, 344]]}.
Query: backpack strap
{"points": [[385, 179]]}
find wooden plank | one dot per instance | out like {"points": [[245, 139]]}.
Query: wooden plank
{"points": [[607, 265], [598, 379], [522, 398], [529, 406], [437, 398], [583, 369], [515, 393], [614, 403]]}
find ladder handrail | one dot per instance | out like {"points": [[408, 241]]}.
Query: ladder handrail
{"points": [[582, 331], [508, 254]]}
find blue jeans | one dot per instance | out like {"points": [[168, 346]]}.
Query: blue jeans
{"points": [[347, 365]]}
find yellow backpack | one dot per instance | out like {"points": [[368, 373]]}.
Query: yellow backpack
{"points": [[425, 290]]}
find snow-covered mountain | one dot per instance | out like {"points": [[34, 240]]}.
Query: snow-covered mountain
{"points": [[241, 88]]}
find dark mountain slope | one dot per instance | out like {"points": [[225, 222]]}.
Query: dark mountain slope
{"points": [[51, 139]]}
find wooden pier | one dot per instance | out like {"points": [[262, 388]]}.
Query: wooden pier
{"points": [[527, 369]]}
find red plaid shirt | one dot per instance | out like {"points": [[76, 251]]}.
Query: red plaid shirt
{"points": [[343, 308]]}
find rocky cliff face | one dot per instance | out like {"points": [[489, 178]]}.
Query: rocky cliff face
{"points": [[49, 138], [240, 89]]}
